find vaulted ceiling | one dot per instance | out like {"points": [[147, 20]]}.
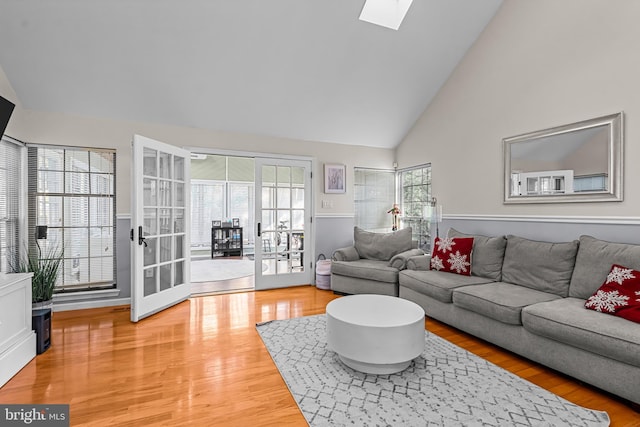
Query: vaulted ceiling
{"points": [[302, 69]]}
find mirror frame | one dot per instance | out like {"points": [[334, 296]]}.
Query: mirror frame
{"points": [[614, 167]]}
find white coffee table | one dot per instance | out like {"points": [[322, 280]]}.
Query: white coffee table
{"points": [[375, 334]]}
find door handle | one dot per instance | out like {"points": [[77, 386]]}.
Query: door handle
{"points": [[141, 239], [259, 229]]}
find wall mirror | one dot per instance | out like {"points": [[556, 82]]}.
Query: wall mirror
{"points": [[580, 162]]}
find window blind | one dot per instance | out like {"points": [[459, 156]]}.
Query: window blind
{"points": [[72, 192], [11, 201], [374, 195]]}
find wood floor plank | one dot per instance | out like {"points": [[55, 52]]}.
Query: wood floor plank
{"points": [[203, 363]]}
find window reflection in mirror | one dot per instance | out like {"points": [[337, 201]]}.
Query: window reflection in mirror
{"points": [[577, 162]]}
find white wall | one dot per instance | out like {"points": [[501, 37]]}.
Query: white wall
{"points": [[60, 129], [538, 64]]}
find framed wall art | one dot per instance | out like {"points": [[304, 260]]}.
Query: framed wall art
{"points": [[335, 178]]}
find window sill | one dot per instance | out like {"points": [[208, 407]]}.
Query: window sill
{"points": [[86, 295]]}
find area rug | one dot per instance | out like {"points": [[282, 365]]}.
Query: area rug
{"points": [[445, 386]]}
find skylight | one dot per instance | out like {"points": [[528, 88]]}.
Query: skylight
{"points": [[386, 13]]}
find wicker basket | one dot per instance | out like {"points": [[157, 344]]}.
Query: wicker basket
{"points": [[323, 273]]}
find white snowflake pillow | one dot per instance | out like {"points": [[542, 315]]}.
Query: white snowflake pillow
{"points": [[619, 295], [452, 255]]}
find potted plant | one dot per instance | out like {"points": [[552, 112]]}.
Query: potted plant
{"points": [[45, 268]]}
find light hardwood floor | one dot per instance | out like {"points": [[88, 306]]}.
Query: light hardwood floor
{"points": [[202, 363]]}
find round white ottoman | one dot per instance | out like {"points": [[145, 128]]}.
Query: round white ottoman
{"points": [[375, 334]]}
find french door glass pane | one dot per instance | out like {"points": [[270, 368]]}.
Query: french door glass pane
{"points": [[150, 275], [165, 249], [164, 165], [178, 222], [165, 277], [179, 187], [178, 167], [284, 197], [284, 176], [179, 273], [149, 164], [150, 224], [150, 251], [150, 192], [164, 192]]}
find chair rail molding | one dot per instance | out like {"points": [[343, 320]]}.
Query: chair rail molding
{"points": [[617, 220]]}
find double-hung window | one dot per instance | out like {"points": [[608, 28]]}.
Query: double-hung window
{"points": [[72, 192], [374, 195]]}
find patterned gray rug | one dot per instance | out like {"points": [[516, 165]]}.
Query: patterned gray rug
{"points": [[445, 386]]}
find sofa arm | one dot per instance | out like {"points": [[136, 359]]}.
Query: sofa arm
{"points": [[346, 254], [419, 263], [399, 261]]}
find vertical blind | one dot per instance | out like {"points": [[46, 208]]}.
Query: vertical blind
{"points": [[72, 192], [11, 200]]}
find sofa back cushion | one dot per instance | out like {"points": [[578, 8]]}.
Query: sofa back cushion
{"points": [[594, 261], [488, 254], [543, 266], [381, 246]]}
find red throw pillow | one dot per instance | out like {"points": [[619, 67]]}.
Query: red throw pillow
{"points": [[619, 295], [452, 255]]}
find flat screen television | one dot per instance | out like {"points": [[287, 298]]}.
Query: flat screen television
{"points": [[6, 108]]}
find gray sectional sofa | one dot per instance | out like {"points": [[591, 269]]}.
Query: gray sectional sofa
{"points": [[372, 264], [528, 297]]}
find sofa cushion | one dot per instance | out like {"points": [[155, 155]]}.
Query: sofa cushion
{"points": [[499, 301], [619, 295], [399, 261], [366, 269], [594, 261], [436, 284], [381, 246], [567, 321], [452, 255], [543, 266], [488, 254]]}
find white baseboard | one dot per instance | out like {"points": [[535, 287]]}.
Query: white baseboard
{"points": [[81, 305], [17, 356]]}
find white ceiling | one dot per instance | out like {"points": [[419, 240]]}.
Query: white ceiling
{"points": [[302, 69]]}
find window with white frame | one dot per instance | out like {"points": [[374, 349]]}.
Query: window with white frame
{"points": [[72, 192], [374, 195], [414, 189], [11, 203]]}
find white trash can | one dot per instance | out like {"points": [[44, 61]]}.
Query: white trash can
{"points": [[323, 273]]}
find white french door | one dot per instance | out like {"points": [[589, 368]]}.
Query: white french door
{"points": [[283, 223], [160, 264]]}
